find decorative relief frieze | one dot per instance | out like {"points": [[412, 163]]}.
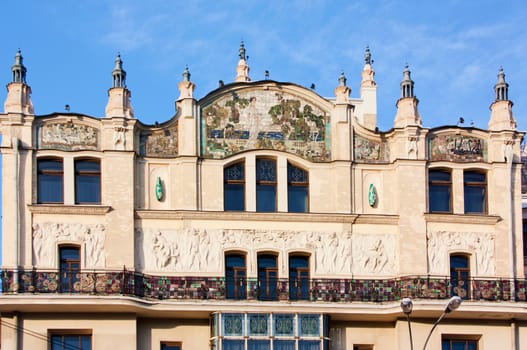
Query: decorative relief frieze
{"points": [[67, 136], [200, 250], [370, 150], [46, 237], [460, 148], [265, 119], [159, 143], [442, 243]]}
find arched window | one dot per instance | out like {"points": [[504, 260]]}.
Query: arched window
{"points": [[234, 187], [69, 268], [267, 277], [265, 185], [298, 277], [50, 180], [460, 275], [297, 189], [235, 276], [87, 181], [439, 191], [475, 192]]}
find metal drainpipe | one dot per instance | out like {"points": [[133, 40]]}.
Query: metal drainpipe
{"points": [[512, 255]]}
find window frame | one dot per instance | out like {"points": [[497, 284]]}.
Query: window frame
{"points": [[459, 338], [68, 273], [459, 271], [234, 182], [475, 184], [292, 184], [239, 288], [302, 292], [266, 183], [50, 172], [437, 184], [80, 333], [268, 287], [87, 173], [164, 345]]}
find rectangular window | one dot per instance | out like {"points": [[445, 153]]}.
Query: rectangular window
{"points": [[297, 189], [265, 185], [439, 191], [475, 192], [234, 187], [70, 341], [50, 181], [459, 344], [170, 346], [87, 181]]}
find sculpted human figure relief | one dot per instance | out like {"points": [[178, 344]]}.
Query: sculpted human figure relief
{"points": [[373, 254], [46, 237]]}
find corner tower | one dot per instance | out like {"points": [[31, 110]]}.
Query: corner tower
{"points": [[501, 117]]}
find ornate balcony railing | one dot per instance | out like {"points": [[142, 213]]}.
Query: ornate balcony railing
{"points": [[141, 285]]}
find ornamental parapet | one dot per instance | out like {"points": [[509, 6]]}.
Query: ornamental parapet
{"points": [[343, 290]]}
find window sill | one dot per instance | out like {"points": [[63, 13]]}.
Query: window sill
{"points": [[483, 219], [77, 209]]}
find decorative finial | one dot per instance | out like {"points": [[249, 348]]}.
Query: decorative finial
{"points": [[342, 79], [501, 88], [118, 73], [367, 56], [266, 74], [242, 51], [407, 84], [186, 74], [18, 69]]}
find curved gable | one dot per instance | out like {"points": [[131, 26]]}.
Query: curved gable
{"points": [[266, 116]]}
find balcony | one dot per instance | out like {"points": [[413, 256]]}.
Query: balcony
{"points": [[139, 285]]}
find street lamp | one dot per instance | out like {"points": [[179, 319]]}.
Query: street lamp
{"points": [[407, 305]]}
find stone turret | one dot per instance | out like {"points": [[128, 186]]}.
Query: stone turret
{"points": [[501, 117], [118, 95], [18, 92], [186, 87], [407, 113], [368, 93], [242, 70], [342, 91]]}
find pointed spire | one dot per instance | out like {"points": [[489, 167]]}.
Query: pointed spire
{"points": [[242, 70], [186, 74], [18, 69], [407, 84], [367, 56], [501, 88], [118, 73]]}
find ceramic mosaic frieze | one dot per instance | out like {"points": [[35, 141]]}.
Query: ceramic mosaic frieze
{"points": [[67, 136], [159, 143], [458, 148], [370, 150], [265, 119]]}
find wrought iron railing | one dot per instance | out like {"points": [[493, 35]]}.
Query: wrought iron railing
{"points": [[141, 285]]}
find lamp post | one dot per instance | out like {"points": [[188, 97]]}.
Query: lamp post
{"points": [[407, 305]]}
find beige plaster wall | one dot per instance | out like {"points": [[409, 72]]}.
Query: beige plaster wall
{"points": [[193, 334]]}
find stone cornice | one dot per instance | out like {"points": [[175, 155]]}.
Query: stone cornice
{"points": [[69, 209], [252, 216], [463, 218]]}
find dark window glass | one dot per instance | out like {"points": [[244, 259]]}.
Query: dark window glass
{"points": [[439, 191], [234, 187], [70, 342], [170, 346], [475, 190], [283, 345], [265, 185], [297, 189], [235, 277], [87, 181], [298, 277], [267, 277], [232, 344], [460, 276], [308, 345], [259, 344], [50, 181], [455, 344], [69, 269]]}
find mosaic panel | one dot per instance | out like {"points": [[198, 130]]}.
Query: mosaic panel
{"points": [[457, 148], [159, 143], [67, 137], [370, 150], [265, 120]]}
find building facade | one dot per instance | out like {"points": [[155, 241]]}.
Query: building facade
{"points": [[261, 216]]}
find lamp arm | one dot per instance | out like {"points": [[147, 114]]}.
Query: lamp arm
{"points": [[434, 327], [410, 331]]}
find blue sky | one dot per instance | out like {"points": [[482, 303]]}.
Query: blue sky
{"points": [[454, 50]]}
